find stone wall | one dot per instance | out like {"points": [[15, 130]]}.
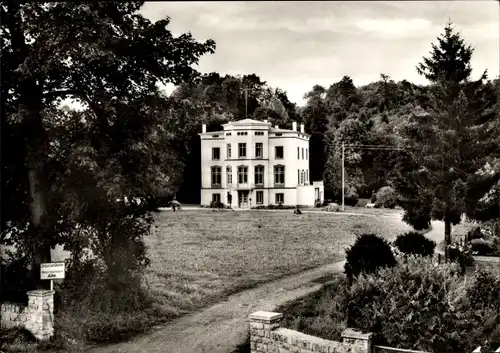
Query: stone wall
{"points": [[37, 317], [267, 336]]}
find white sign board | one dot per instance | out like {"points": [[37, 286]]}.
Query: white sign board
{"points": [[52, 270]]}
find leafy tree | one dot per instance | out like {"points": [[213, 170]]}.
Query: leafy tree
{"points": [[386, 197], [314, 116], [451, 139], [350, 131], [108, 58]]}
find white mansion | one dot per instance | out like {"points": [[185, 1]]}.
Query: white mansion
{"points": [[258, 165]]}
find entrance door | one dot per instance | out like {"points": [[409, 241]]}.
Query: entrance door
{"points": [[243, 198]]}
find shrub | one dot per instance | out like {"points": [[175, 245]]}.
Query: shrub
{"points": [[483, 247], [217, 204], [416, 305], [368, 253], [333, 207], [373, 199], [386, 197], [415, 243], [474, 233], [16, 279], [463, 257], [351, 197]]}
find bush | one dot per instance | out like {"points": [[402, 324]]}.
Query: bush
{"points": [[351, 197], [474, 233], [368, 254], [463, 257], [110, 309], [417, 306], [16, 280], [386, 197], [483, 247], [415, 243], [333, 207], [373, 199], [217, 204]]}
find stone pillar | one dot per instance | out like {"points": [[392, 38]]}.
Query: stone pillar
{"points": [[361, 342], [41, 313], [261, 325]]}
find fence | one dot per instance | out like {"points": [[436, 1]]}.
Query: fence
{"points": [[382, 349]]}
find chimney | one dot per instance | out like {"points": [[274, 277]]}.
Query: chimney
{"points": [[294, 125], [265, 120], [302, 128], [204, 128], [276, 127]]}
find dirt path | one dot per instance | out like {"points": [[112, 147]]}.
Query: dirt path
{"points": [[223, 326], [436, 234]]}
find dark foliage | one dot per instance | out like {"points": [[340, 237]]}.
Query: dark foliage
{"points": [[415, 243], [368, 254], [463, 257]]}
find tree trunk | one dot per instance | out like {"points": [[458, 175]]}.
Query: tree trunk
{"points": [[447, 237], [41, 252], [37, 147]]}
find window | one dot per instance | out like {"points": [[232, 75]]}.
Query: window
{"points": [[307, 153], [229, 172], [216, 176], [298, 152], [215, 136], [242, 150], [278, 152], [278, 134], [228, 134], [215, 153], [259, 195], [302, 152], [242, 175], [259, 133], [279, 174], [280, 198], [258, 150], [216, 197], [302, 177], [242, 133], [228, 150], [298, 176], [259, 175], [307, 175]]}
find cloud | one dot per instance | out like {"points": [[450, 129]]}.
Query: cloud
{"points": [[389, 28], [295, 45]]}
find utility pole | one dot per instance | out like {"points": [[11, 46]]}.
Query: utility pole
{"points": [[343, 182], [246, 101]]}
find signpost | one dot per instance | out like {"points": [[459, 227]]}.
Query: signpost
{"points": [[51, 271]]}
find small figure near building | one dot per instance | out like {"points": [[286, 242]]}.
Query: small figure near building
{"points": [[297, 211]]}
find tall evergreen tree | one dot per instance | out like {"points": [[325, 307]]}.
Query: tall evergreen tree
{"points": [[449, 141]]}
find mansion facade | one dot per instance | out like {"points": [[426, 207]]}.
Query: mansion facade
{"points": [[256, 164]]}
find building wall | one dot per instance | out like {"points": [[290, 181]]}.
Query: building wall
{"points": [[294, 164]]}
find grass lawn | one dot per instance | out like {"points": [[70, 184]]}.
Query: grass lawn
{"points": [[198, 257]]}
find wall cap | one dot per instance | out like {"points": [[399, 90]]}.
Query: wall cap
{"points": [[352, 333], [265, 316], [40, 293]]}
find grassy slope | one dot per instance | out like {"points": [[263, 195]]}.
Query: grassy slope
{"points": [[197, 257]]}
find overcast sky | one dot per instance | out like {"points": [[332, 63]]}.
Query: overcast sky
{"points": [[295, 45]]}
